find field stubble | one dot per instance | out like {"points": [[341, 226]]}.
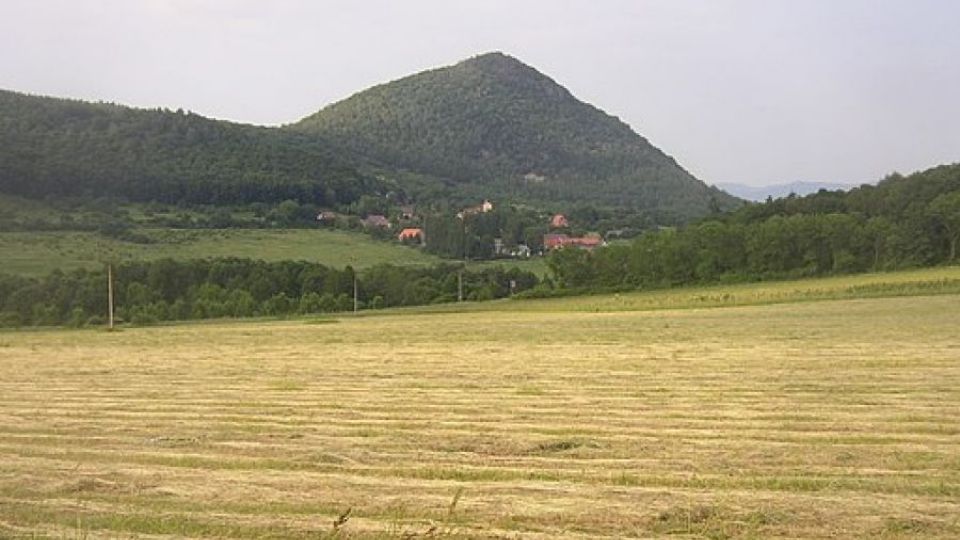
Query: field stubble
{"points": [[827, 419]]}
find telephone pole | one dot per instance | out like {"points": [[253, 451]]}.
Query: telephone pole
{"points": [[460, 285]]}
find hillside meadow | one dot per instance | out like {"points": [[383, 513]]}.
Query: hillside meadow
{"points": [[582, 417], [38, 253]]}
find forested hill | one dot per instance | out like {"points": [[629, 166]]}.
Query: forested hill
{"points": [[489, 127], [494, 125], [57, 147], [903, 222], [897, 198]]}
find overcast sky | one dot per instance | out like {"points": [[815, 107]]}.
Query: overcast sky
{"points": [[751, 91]]}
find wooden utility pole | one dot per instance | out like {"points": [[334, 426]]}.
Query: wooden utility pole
{"points": [[460, 285], [355, 303], [110, 296]]}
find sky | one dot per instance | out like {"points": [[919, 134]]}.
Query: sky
{"points": [[749, 91]]}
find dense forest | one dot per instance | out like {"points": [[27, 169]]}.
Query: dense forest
{"points": [[489, 127], [493, 122], [901, 222], [167, 290], [56, 148]]}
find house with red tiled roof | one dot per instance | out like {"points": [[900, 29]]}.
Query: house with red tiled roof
{"points": [[410, 234], [553, 241]]}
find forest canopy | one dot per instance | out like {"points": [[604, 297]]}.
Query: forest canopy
{"points": [[56, 148], [901, 222]]}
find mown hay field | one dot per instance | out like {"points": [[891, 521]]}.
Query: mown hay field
{"points": [[831, 419]]}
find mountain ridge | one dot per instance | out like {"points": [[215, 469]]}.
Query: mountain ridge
{"points": [[495, 120], [67, 147], [487, 127], [783, 189]]}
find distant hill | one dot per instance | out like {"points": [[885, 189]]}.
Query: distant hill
{"points": [[488, 127], [900, 199], [494, 126], [902, 222], [761, 193], [58, 147]]}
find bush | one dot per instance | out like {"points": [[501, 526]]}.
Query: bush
{"points": [[10, 319], [77, 318]]}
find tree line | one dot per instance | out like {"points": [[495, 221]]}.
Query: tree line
{"points": [[902, 222], [58, 147], [166, 290]]}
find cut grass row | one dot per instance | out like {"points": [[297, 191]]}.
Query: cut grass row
{"points": [[810, 419], [919, 282]]}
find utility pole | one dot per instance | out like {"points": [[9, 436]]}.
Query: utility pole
{"points": [[110, 296], [460, 285], [356, 284]]}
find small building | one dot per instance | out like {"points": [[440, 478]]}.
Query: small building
{"points": [[559, 221], [498, 247], [522, 250], [589, 241], [327, 217], [559, 240], [482, 208], [408, 212], [555, 240], [376, 221], [411, 234]]}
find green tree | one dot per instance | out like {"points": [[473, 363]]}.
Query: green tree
{"points": [[946, 209]]}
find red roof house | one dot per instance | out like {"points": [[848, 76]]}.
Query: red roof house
{"points": [[411, 233], [559, 240], [555, 240], [559, 221]]}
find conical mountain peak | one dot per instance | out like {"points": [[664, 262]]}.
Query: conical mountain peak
{"points": [[494, 126]]}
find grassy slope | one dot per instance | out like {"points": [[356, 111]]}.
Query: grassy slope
{"points": [[37, 253], [12, 206], [814, 419], [920, 282]]}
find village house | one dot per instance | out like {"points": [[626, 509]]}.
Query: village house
{"points": [[327, 217], [376, 221], [482, 208], [559, 240], [559, 221], [522, 250], [411, 234], [498, 247]]}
